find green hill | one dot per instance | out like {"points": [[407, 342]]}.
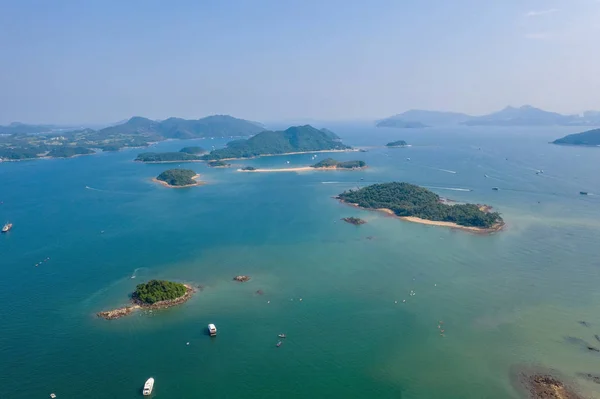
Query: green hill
{"points": [[398, 143], [406, 199], [178, 177], [194, 150], [294, 139], [158, 290], [588, 138]]}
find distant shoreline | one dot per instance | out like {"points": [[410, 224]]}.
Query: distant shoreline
{"points": [[183, 161], [136, 305], [300, 169], [495, 228], [165, 184]]}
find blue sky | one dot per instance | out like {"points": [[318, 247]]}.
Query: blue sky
{"points": [[103, 61]]}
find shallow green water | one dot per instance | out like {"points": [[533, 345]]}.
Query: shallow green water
{"points": [[505, 299]]}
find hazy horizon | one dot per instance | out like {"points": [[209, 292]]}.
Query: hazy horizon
{"points": [[68, 63]]}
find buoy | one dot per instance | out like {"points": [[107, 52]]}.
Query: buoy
{"points": [[268, 301], [404, 300], [300, 299], [395, 301], [187, 343]]}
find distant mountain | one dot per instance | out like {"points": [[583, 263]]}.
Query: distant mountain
{"points": [[400, 124], [588, 138], [23, 128], [430, 118], [523, 116], [178, 128], [293, 139]]}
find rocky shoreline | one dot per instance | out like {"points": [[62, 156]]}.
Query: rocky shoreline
{"points": [[540, 383], [137, 304]]}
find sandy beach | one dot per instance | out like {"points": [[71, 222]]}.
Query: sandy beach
{"points": [[195, 177], [413, 219]]}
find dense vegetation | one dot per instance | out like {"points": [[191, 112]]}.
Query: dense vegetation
{"points": [[398, 143], [166, 157], [177, 177], [293, 139], [401, 124], [330, 162], [218, 164], [19, 141], [248, 168], [589, 138], [406, 199], [65, 151], [194, 150], [158, 290]]}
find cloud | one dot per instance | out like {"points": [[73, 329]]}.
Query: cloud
{"points": [[537, 36], [542, 12]]}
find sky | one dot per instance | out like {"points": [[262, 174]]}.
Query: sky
{"points": [[101, 61]]}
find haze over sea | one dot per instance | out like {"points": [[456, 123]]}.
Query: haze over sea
{"points": [[505, 299]]}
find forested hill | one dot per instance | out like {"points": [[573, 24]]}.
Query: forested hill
{"points": [[293, 139], [588, 138]]}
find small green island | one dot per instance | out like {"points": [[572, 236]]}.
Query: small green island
{"points": [[590, 138], [397, 144], [218, 164], [167, 157], [194, 150], [296, 139], [178, 178], [330, 163], [417, 204], [248, 168], [155, 294], [353, 220]]}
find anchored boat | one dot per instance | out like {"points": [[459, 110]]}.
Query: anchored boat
{"points": [[148, 386], [212, 330], [7, 227]]}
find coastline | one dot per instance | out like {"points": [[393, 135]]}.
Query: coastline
{"points": [[165, 184], [299, 169], [153, 162], [286, 153], [497, 227], [136, 305]]}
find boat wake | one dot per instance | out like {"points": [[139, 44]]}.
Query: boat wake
{"points": [[449, 188], [330, 182], [93, 189], [446, 170], [135, 272]]}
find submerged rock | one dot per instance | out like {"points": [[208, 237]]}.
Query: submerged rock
{"points": [[242, 279]]}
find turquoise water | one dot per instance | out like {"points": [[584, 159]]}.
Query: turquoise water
{"points": [[504, 299]]}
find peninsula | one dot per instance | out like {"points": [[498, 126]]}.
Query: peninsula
{"points": [[166, 157], [294, 140], [417, 204], [194, 150], [218, 164], [330, 163], [397, 144], [589, 138], [178, 178], [155, 294], [20, 141]]}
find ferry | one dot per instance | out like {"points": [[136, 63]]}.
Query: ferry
{"points": [[212, 330], [7, 227], [148, 386]]}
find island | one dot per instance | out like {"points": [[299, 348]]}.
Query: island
{"points": [[241, 279], [155, 294], [417, 204], [20, 141], [218, 164], [589, 138], [397, 144], [401, 124], [178, 178], [294, 140], [248, 169], [167, 157], [354, 221], [540, 383], [330, 163], [194, 150]]}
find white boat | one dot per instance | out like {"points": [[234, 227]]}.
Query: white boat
{"points": [[7, 227], [212, 330], [148, 386]]}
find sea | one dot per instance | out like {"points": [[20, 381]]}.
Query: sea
{"points": [[363, 307]]}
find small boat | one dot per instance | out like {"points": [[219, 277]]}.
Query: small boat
{"points": [[580, 193], [495, 188], [53, 395], [486, 175], [278, 344], [408, 159], [7, 227], [148, 386], [212, 330], [281, 336]]}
